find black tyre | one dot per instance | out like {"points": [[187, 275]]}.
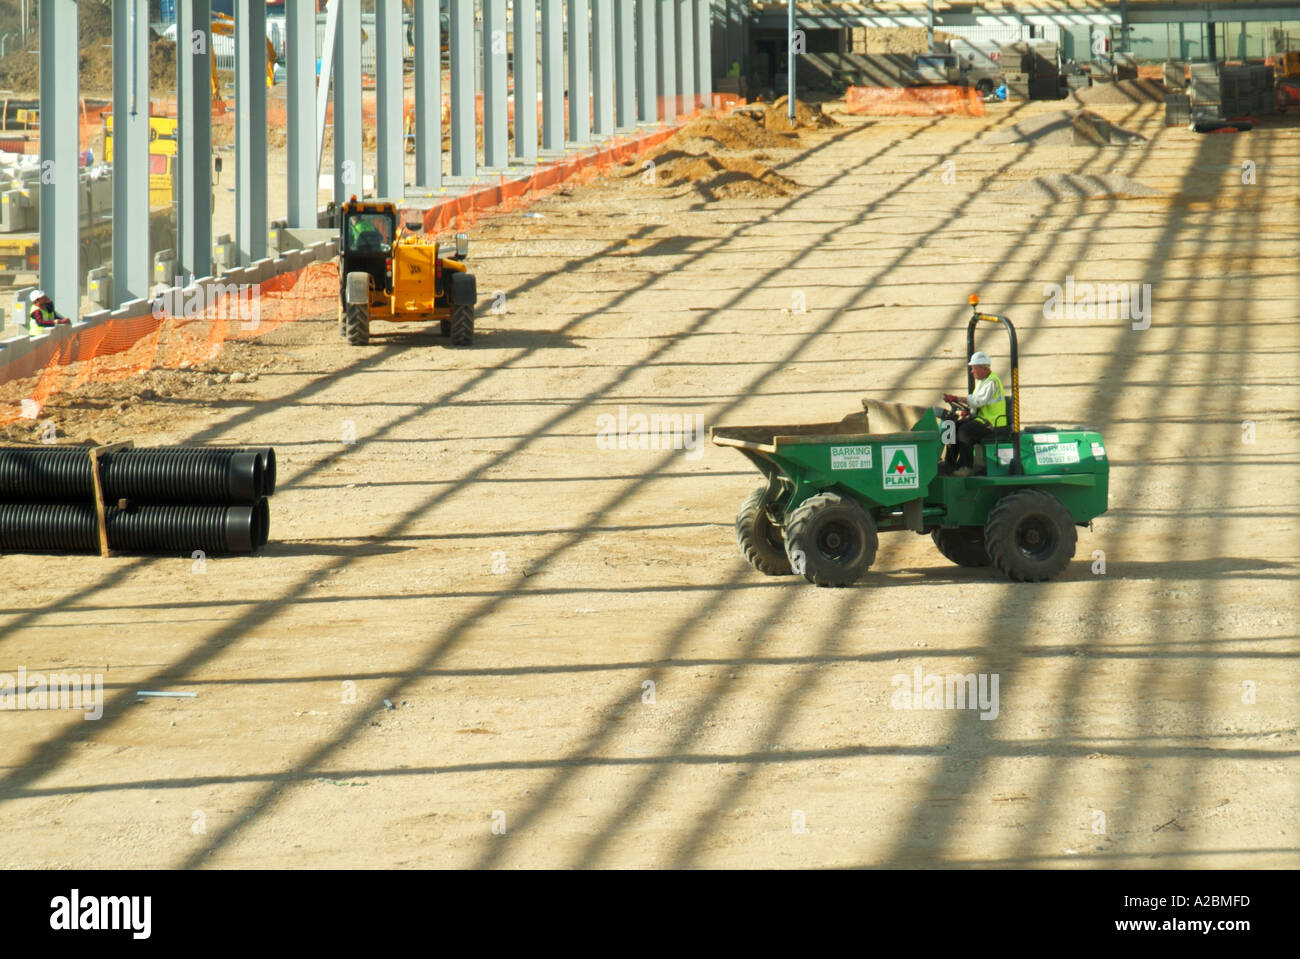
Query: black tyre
{"points": [[444, 327], [984, 86], [831, 539], [1030, 536], [462, 325], [963, 545], [760, 541], [356, 324]]}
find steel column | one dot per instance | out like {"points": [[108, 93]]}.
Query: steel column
{"points": [[496, 126], [625, 62], [428, 94], [462, 88], [602, 68], [300, 63], [389, 130], [525, 76], [250, 130], [686, 55], [194, 129], [667, 61], [60, 264], [348, 170], [132, 250], [704, 51], [552, 75], [646, 61], [579, 74]]}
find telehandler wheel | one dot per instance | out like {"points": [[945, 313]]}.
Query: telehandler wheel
{"points": [[444, 327], [356, 324], [1030, 536], [462, 325], [831, 540], [963, 545], [759, 539]]}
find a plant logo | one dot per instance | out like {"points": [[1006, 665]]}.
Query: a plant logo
{"points": [[900, 467]]}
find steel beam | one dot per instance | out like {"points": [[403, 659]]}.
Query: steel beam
{"points": [[552, 75], [704, 51], [250, 131], [428, 94], [525, 76], [132, 250], [686, 55], [349, 177], [625, 63], [496, 124], [602, 68], [60, 263], [300, 100], [667, 60], [462, 88], [579, 73], [389, 132], [194, 146], [646, 61]]}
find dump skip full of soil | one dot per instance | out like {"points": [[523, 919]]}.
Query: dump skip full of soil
{"points": [[1122, 92], [901, 39], [807, 116]]}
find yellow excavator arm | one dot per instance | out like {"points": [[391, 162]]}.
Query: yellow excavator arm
{"points": [[224, 24]]}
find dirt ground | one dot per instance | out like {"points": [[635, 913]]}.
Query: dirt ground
{"points": [[582, 670]]}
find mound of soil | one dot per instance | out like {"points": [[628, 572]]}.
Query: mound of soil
{"points": [[20, 70], [713, 176], [1066, 128], [735, 132], [1066, 187], [1123, 92], [806, 116]]}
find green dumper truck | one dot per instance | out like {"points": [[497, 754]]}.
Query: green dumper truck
{"points": [[832, 488]]}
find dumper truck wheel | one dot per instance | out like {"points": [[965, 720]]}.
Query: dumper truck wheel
{"points": [[1030, 536], [462, 325], [963, 545], [759, 539], [831, 540], [356, 324]]}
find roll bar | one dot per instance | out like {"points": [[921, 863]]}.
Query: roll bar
{"points": [[977, 317]]}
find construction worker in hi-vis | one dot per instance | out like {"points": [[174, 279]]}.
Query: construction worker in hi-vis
{"points": [[43, 316]]}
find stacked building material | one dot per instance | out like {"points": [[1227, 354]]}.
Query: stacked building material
{"points": [[210, 500]]}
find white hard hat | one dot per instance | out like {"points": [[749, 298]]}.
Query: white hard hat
{"points": [[37, 296], [979, 358]]}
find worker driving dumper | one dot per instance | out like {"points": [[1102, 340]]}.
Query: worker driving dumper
{"points": [[977, 414], [369, 232]]}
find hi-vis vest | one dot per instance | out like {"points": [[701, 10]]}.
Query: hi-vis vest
{"points": [[34, 328], [994, 412]]}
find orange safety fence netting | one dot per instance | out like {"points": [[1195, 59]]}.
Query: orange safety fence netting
{"points": [[914, 101], [185, 329]]}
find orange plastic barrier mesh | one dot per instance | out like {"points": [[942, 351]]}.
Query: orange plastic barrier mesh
{"points": [[181, 332], [189, 330], [914, 101]]}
